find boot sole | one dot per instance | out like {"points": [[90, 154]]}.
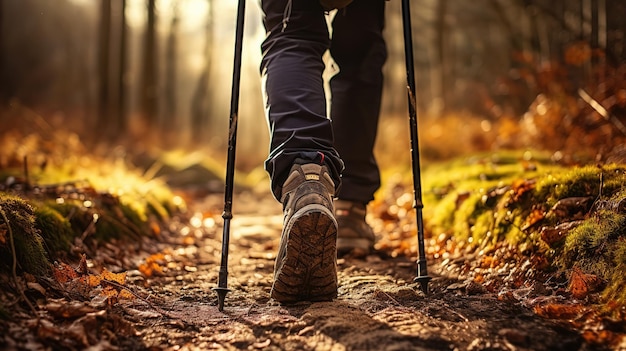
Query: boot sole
{"points": [[308, 271]]}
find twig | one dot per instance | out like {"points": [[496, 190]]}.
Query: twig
{"points": [[89, 228], [389, 297], [14, 265], [119, 287], [456, 313], [601, 110]]}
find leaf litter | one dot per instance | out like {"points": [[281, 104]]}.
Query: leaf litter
{"points": [[493, 237]]}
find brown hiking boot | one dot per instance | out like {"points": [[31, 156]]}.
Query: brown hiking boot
{"points": [[354, 234], [306, 264]]}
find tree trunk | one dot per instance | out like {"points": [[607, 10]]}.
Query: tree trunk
{"points": [[120, 115], [169, 124], [3, 91], [602, 29], [103, 68], [439, 71], [200, 103], [149, 81]]}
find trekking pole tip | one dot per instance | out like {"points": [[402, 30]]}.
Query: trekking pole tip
{"points": [[423, 280], [221, 297]]}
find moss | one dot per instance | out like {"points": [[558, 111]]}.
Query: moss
{"points": [[466, 215], [617, 280], [483, 227], [581, 181], [159, 209], [441, 214], [487, 216], [55, 229], [591, 244], [598, 246], [74, 212], [29, 249], [113, 218]]}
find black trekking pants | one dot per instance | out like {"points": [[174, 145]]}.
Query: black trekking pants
{"points": [[292, 67]]}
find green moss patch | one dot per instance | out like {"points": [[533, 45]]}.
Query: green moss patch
{"points": [[18, 223], [522, 200]]}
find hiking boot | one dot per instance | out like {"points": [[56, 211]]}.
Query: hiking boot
{"points": [[306, 264], [354, 234]]}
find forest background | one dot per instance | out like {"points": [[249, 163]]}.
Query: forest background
{"points": [[157, 73]]}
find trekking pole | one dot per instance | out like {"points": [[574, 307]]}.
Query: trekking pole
{"points": [[422, 269], [222, 284]]}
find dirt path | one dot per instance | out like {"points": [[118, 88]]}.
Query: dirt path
{"points": [[378, 308]]}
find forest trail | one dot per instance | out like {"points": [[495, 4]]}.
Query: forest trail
{"points": [[378, 307], [152, 290]]}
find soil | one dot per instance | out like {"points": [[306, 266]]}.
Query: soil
{"points": [[379, 307], [172, 304]]}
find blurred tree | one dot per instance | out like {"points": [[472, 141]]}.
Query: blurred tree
{"points": [[149, 88], [3, 93], [201, 100], [441, 66], [169, 124], [112, 122], [104, 99], [121, 124]]}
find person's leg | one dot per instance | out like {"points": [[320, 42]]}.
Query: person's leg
{"points": [[359, 50], [303, 164], [292, 66]]}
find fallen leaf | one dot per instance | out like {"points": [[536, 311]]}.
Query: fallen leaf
{"points": [[554, 235], [559, 311], [63, 272], [520, 187], [515, 336], [534, 217], [47, 330], [116, 277], [572, 207], [36, 286], [601, 337], [152, 266], [142, 314], [582, 284], [64, 309], [82, 266]]}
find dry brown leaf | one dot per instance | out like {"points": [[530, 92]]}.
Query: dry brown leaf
{"points": [[559, 311], [47, 330], [142, 314], [63, 272], [552, 236], [155, 228], [82, 266], [534, 217], [601, 337], [521, 187], [64, 309], [116, 277], [3, 235], [152, 265], [37, 287], [582, 284]]}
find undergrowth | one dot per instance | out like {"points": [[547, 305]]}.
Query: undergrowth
{"points": [[483, 201]]}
